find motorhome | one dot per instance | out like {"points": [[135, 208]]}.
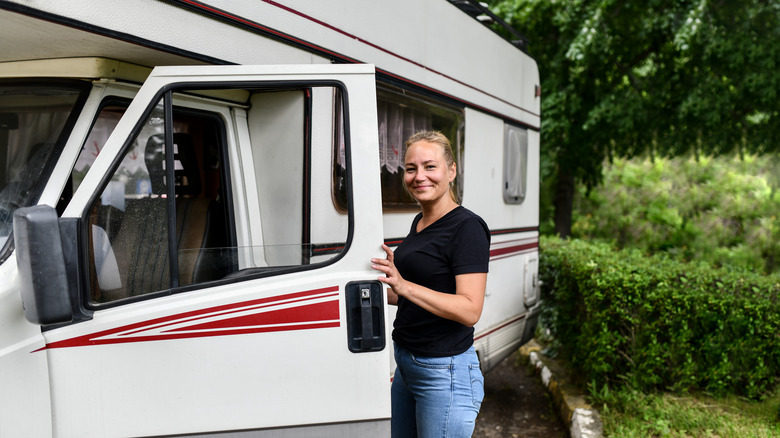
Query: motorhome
{"points": [[191, 192]]}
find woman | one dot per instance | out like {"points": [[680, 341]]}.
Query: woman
{"points": [[437, 278]]}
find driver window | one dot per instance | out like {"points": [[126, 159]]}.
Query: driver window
{"points": [[134, 222]]}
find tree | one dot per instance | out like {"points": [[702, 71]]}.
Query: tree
{"points": [[660, 77]]}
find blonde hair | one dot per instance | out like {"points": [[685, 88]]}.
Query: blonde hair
{"points": [[440, 139]]}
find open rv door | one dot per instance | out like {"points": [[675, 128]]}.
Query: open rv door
{"points": [[215, 285]]}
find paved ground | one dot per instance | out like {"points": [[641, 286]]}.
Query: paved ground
{"points": [[516, 404]]}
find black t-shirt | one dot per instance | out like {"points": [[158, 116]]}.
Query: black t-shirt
{"points": [[457, 243]]}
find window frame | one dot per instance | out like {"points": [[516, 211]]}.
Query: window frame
{"points": [[166, 93]]}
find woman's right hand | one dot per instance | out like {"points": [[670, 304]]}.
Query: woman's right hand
{"points": [[391, 278]]}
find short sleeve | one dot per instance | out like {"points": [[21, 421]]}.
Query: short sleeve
{"points": [[470, 247]]}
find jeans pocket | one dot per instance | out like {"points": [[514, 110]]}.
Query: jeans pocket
{"points": [[432, 362], [477, 385]]}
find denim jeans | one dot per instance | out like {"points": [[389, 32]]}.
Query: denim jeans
{"points": [[435, 396]]}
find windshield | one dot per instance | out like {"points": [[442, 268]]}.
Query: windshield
{"points": [[33, 117]]}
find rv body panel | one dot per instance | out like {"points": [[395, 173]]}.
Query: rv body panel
{"points": [[26, 406], [291, 160]]}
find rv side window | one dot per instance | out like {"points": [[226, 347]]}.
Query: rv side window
{"points": [[293, 133], [515, 164], [401, 114], [131, 225]]}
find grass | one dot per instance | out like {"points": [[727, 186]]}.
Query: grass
{"points": [[628, 414]]}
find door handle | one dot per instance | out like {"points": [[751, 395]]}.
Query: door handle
{"points": [[365, 316]]}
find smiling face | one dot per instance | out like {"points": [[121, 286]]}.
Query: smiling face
{"points": [[427, 175]]}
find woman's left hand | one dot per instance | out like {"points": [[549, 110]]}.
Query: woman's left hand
{"points": [[387, 265]]}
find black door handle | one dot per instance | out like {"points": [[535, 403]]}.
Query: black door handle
{"points": [[365, 316]]}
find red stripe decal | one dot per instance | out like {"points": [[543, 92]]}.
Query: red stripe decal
{"points": [[293, 315], [512, 250], [513, 230], [506, 324], [312, 309]]}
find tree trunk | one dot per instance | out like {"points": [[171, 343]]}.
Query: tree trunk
{"points": [[564, 203]]}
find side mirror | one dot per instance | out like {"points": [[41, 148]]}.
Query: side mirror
{"points": [[43, 277]]}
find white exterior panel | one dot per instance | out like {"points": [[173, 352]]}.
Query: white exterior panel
{"points": [[25, 408], [121, 373]]}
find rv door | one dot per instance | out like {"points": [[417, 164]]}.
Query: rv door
{"points": [[224, 291]]}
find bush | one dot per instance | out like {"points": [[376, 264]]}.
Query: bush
{"points": [[656, 324], [720, 210]]}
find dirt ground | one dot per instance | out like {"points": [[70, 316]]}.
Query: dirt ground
{"points": [[516, 404]]}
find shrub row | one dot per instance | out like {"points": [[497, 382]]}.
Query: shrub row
{"points": [[657, 324]]}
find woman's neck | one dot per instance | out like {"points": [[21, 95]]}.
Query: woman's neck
{"points": [[432, 213]]}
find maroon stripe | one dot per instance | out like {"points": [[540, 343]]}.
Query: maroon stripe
{"points": [[513, 230], [513, 249], [343, 57], [483, 334], [368, 43]]}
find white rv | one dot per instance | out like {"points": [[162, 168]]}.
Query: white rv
{"points": [[191, 191]]}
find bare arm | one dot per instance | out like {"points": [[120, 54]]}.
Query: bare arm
{"points": [[392, 297], [465, 306]]}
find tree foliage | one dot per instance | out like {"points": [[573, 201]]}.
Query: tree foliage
{"points": [[660, 77], [723, 211]]}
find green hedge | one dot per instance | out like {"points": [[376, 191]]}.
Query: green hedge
{"points": [[654, 323]]}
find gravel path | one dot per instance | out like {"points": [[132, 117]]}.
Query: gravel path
{"points": [[516, 404]]}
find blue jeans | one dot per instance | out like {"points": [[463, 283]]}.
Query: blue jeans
{"points": [[435, 396]]}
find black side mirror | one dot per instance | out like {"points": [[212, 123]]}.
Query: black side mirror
{"points": [[43, 277]]}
